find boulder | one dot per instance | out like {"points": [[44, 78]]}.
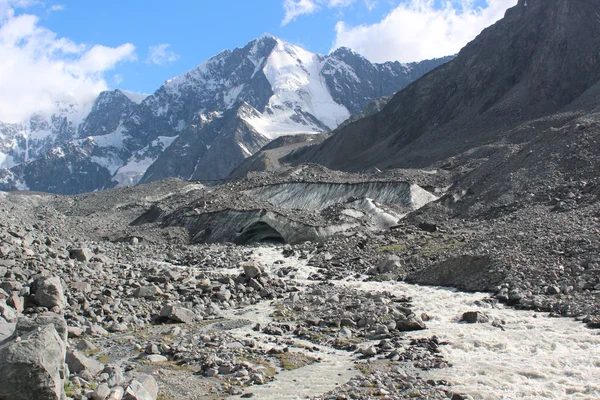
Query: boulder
{"points": [[83, 287], [17, 302], [143, 387], [77, 363], [224, 295], [32, 363], [251, 270], [411, 324], [116, 393], [101, 393], [7, 312], [474, 317], [177, 314], [6, 331], [81, 254], [26, 325], [254, 284], [148, 291], [390, 265], [48, 292]]}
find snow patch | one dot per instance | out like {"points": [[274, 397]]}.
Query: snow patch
{"points": [[135, 168], [111, 162], [114, 139], [6, 161], [247, 152], [294, 75], [180, 125], [230, 96]]}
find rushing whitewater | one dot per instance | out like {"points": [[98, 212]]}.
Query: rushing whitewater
{"points": [[527, 355], [531, 356]]}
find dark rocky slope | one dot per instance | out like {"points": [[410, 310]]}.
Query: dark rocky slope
{"points": [[540, 58]]}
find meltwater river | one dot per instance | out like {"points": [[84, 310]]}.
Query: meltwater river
{"points": [[533, 357]]}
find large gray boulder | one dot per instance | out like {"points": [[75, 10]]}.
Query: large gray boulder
{"points": [[410, 324], [27, 325], [252, 269], [143, 387], [32, 362], [78, 362], [81, 254], [177, 314], [390, 265], [48, 292]]}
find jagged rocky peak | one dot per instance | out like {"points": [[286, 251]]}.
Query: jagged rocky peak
{"points": [[109, 111], [272, 88]]}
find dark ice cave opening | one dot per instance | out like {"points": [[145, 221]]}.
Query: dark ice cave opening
{"points": [[259, 232]]}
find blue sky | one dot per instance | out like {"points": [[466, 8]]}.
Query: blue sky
{"points": [[81, 47], [195, 30]]}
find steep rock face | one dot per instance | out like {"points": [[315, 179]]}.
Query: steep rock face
{"points": [[214, 116], [210, 148], [67, 169], [268, 158], [344, 67], [27, 141], [110, 110], [538, 59], [272, 156]]}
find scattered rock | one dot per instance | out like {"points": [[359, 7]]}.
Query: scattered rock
{"points": [[48, 292], [81, 254], [252, 270], [177, 314], [412, 324], [475, 317], [77, 363], [32, 364], [143, 387]]}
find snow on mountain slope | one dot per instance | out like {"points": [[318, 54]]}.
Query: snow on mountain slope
{"points": [[210, 119], [281, 81], [21, 142], [134, 168], [295, 76]]}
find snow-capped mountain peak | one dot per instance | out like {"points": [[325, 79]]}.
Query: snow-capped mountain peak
{"points": [[301, 95], [200, 124]]}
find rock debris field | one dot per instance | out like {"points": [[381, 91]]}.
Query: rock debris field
{"points": [[114, 295]]}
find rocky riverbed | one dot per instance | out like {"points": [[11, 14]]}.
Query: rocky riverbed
{"points": [[95, 304]]}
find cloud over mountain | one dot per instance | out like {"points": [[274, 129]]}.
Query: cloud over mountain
{"points": [[39, 68]]}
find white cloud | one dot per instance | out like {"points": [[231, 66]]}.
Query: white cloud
{"points": [[371, 4], [118, 79], [295, 8], [56, 7], [39, 69], [7, 7], [416, 30], [161, 55]]}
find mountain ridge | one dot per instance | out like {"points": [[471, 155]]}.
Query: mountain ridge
{"points": [[527, 65], [275, 87]]}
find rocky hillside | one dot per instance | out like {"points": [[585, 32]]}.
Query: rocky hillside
{"points": [[200, 125], [539, 59]]}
